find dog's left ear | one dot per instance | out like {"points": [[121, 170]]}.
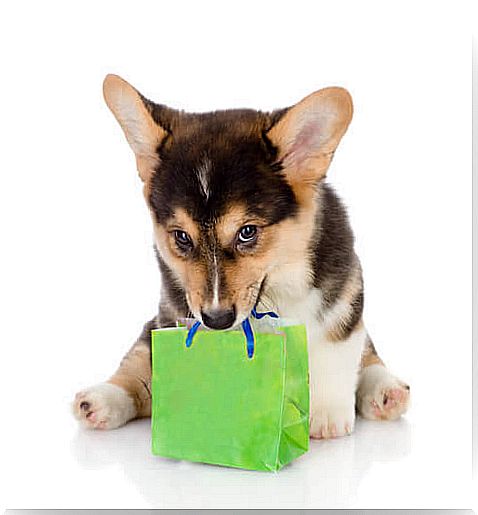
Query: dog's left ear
{"points": [[143, 134], [308, 133]]}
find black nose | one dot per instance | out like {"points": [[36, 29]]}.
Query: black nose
{"points": [[219, 318]]}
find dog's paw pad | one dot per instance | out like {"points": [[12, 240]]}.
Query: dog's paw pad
{"points": [[382, 396], [104, 406], [392, 402]]}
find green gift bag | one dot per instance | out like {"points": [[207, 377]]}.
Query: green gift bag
{"points": [[214, 404]]}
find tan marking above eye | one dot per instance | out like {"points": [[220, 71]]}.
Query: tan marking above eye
{"points": [[181, 221], [229, 224]]}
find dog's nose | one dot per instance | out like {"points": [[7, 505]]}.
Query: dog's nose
{"points": [[219, 318]]}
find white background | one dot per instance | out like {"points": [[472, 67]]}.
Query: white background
{"points": [[78, 275]]}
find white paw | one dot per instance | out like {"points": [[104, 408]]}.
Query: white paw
{"points": [[103, 406], [332, 421], [380, 395]]}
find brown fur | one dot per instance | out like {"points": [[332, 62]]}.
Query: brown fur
{"points": [[182, 221], [228, 224], [369, 356], [134, 375]]}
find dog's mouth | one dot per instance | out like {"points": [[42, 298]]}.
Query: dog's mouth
{"points": [[221, 319], [260, 291], [256, 294]]}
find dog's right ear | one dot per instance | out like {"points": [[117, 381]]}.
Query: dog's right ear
{"points": [[143, 134]]}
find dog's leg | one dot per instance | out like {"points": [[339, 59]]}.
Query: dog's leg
{"points": [[334, 367], [126, 395], [380, 395]]}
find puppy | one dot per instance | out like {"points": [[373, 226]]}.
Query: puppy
{"points": [[242, 215]]}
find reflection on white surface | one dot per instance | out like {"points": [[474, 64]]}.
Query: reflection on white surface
{"points": [[328, 475]]}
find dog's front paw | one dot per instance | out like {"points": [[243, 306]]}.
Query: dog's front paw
{"points": [[380, 395], [104, 406], [331, 421]]}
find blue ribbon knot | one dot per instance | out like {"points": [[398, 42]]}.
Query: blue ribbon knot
{"points": [[246, 327]]}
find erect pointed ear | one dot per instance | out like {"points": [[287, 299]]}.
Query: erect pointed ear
{"points": [[142, 132], [309, 132]]}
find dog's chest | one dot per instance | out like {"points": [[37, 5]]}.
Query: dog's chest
{"points": [[289, 294]]}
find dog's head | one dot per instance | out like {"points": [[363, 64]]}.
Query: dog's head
{"points": [[231, 193]]}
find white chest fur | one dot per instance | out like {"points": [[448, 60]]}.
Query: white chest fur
{"points": [[333, 365], [288, 292]]}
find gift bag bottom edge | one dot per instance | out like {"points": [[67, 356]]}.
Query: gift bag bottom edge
{"points": [[257, 468]]}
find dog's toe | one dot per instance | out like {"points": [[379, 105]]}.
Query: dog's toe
{"points": [[332, 421]]}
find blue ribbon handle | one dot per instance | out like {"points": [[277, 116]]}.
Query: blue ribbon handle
{"points": [[257, 315], [191, 333], [246, 327], [250, 340]]}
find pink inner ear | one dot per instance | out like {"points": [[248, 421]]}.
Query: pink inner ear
{"points": [[306, 142]]}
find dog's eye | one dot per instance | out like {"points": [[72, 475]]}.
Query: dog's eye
{"points": [[183, 240], [247, 234]]}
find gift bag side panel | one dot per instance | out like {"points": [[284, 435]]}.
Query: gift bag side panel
{"points": [[295, 419]]}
